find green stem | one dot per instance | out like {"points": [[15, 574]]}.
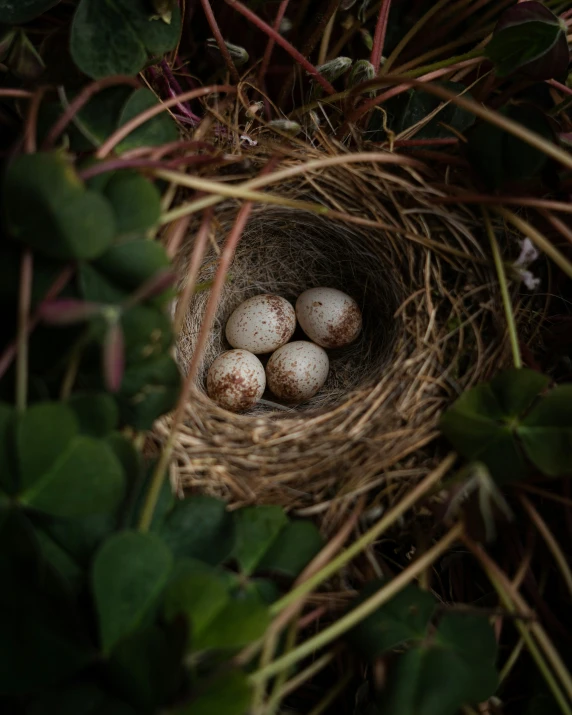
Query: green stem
{"points": [[368, 538], [24, 302], [420, 71], [362, 611], [325, 703], [507, 303], [156, 483]]}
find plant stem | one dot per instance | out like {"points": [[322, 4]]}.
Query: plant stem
{"points": [[441, 64], [299, 679], [513, 601], [537, 238], [550, 540], [379, 35], [362, 611], [368, 538], [271, 42], [412, 32], [24, 302], [507, 303], [277, 37], [211, 19], [511, 660]]}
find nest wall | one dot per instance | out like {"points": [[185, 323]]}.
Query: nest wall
{"points": [[431, 329]]}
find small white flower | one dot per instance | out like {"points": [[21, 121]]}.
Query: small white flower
{"points": [[528, 254]]}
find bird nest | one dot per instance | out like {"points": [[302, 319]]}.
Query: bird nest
{"points": [[424, 280]]}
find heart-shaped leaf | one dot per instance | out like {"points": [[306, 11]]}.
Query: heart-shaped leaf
{"points": [[401, 621], [86, 478], [43, 434], [129, 574], [15, 12], [136, 32], [484, 423], [131, 263], [230, 694], [79, 698], [256, 530], [242, 620], [456, 667], [159, 130], [546, 432], [48, 208], [529, 38], [200, 527], [136, 202], [8, 460], [149, 390], [296, 545], [96, 413], [199, 595]]}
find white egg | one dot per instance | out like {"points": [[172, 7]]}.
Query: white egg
{"points": [[297, 371], [236, 380], [329, 317], [261, 324]]}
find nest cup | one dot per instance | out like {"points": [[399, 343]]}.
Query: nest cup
{"points": [[428, 295]]}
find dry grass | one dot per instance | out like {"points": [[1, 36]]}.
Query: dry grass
{"points": [[432, 328]]}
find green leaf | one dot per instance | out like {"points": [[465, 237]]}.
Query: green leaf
{"points": [[411, 107], [96, 413], [482, 423], [85, 479], [241, 621], [546, 432], [401, 621], [129, 573], [97, 288], [136, 202], [117, 36], [8, 469], [145, 669], [297, 544], [230, 694], [81, 698], [517, 45], [197, 596], [15, 12], [148, 333], [201, 528], [159, 130], [500, 157], [454, 668], [61, 561], [44, 432], [96, 121], [139, 492], [256, 530], [43, 641], [149, 390], [132, 263], [48, 208]]}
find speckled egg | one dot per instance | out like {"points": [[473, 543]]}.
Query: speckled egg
{"points": [[261, 324], [297, 371], [329, 317], [236, 380]]}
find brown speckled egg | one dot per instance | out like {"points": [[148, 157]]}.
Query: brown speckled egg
{"points": [[261, 324], [297, 371], [236, 380], [329, 317]]}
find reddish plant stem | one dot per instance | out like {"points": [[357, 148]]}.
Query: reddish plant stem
{"points": [[55, 289], [193, 269], [16, 93], [219, 40], [379, 36], [271, 42], [78, 102], [292, 51], [32, 121], [559, 86], [175, 234], [24, 303], [426, 142], [148, 114], [503, 200], [144, 163], [364, 108]]}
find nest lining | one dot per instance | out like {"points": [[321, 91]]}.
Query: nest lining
{"points": [[428, 293]]}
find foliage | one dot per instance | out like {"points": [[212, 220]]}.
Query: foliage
{"points": [[100, 611], [511, 425]]}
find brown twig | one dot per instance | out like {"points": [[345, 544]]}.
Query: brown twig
{"points": [[211, 19], [379, 36]]}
